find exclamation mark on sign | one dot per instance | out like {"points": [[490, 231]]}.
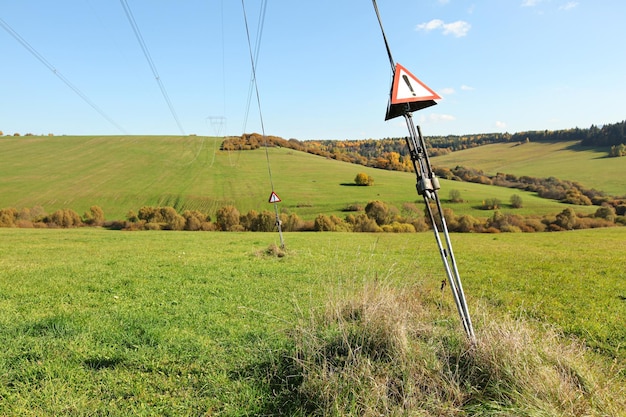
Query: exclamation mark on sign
{"points": [[406, 80]]}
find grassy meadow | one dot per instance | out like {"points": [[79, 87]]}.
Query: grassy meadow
{"points": [[123, 173], [100, 322], [97, 322]]}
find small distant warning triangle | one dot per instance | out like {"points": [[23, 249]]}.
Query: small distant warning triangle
{"points": [[408, 94], [274, 198]]}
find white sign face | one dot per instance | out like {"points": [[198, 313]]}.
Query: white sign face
{"points": [[274, 198], [407, 88]]}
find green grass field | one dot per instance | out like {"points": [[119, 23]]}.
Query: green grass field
{"points": [[565, 160], [123, 173], [96, 322]]}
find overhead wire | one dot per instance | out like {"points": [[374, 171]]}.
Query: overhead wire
{"points": [[56, 72], [146, 52], [256, 89], [223, 57], [218, 123], [257, 48], [258, 99]]}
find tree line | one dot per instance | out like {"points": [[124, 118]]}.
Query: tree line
{"points": [[376, 216], [570, 192], [392, 153]]}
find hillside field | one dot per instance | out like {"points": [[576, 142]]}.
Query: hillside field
{"points": [[565, 160], [98, 322], [123, 173]]}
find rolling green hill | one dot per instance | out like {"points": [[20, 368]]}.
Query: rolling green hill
{"points": [[122, 173], [564, 160]]}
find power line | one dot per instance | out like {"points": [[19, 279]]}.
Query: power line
{"points": [[258, 99], [257, 48], [146, 53], [56, 72], [256, 88]]}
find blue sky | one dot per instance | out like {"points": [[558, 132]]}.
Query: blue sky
{"points": [[322, 68]]}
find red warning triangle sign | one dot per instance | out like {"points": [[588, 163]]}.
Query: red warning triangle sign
{"points": [[274, 198], [408, 94], [408, 88]]}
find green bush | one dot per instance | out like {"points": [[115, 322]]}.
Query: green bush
{"points": [[516, 201], [491, 204], [455, 196], [605, 212]]}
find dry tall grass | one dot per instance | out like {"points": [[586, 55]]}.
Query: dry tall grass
{"points": [[388, 351]]}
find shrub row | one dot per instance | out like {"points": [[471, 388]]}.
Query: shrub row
{"points": [[37, 217], [570, 192], [377, 216]]}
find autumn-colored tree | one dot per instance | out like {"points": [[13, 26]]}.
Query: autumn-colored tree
{"points": [[605, 212], [94, 217], [227, 218], [196, 220], [491, 204], [8, 217], [378, 211], [165, 218], [363, 179], [323, 223], [363, 223], [64, 218], [171, 219], [566, 219], [264, 222], [291, 222]]}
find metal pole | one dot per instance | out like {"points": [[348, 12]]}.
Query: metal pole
{"points": [[427, 186], [279, 225]]}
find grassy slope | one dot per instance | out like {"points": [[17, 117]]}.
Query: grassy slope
{"points": [[127, 172], [174, 323], [564, 160]]}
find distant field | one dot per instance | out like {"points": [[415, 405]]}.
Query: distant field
{"points": [[96, 322], [122, 173], [564, 160]]}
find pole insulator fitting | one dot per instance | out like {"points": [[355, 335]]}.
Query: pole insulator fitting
{"points": [[424, 184], [435, 181]]}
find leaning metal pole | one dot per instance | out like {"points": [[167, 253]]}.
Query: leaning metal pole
{"points": [[427, 186]]}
